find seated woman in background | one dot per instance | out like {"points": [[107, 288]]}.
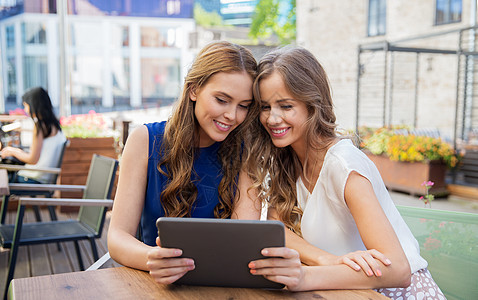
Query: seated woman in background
{"points": [[189, 166], [327, 191], [48, 139]]}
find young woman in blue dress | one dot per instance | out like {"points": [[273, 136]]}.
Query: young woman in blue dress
{"points": [[189, 166], [343, 223]]}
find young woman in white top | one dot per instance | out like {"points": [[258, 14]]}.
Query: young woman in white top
{"points": [[48, 138], [342, 221]]}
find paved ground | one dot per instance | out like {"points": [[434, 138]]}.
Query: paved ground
{"points": [[453, 203]]}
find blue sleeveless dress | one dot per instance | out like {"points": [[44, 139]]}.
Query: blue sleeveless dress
{"points": [[206, 176]]}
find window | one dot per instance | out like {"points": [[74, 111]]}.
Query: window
{"points": [[448, 11], [34, 33], [10, 34], [377, 13], [160, 81]]}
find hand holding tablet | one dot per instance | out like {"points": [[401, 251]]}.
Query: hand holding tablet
{"points": [[221, 249]]}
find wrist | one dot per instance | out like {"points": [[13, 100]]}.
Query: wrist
{"points": [[326, 260]]}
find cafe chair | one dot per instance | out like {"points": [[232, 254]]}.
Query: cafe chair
{"points": [[88, 226], [449, 242], [24, 189]]}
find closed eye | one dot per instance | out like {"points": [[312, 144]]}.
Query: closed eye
{"points": [[286, 107], [265, 107], [220, 100]]}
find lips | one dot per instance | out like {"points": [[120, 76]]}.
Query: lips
{"points": [[222, 126], [278, 132]]}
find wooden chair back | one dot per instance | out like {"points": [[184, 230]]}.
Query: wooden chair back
{"points": [[99, 185]]}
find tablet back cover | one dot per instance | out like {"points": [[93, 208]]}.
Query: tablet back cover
{"points": [[222, 249]]}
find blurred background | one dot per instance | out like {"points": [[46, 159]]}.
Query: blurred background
{"points": [[406, 65]]}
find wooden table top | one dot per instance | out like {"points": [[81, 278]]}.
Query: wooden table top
{"points": [[127, 283]]}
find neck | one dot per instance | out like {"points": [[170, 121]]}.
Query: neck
{"points": [[314, 157]]}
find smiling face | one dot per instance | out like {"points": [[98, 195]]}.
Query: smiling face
{"points": [[221, 105], [282, 116]]}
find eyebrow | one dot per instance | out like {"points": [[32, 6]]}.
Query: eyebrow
{"points": [[229, 96], [224, 94], [280, 100]]}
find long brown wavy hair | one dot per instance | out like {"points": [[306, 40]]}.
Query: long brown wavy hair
{"points": [[181, 136], [276, 170]]}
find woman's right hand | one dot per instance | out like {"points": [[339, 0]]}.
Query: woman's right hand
{"points": [[359, 260], [164, 265]]}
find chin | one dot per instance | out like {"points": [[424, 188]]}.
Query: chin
{"points": [[280, 144]]}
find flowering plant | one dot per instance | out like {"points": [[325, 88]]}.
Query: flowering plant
{"points": [[17, 112], [410, 148], [83, 126], [428, 198]]}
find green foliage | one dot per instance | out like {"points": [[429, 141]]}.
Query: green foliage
{"points": [[206, 19], [267, 21]]}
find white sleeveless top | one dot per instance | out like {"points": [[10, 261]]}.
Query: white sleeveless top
{"points": [[327, 222], [49, 157]]}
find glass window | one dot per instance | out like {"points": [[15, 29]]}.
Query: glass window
{"points": [[86, 35], [448, 11], [12, 80], [377, 17], [35, 71], [87, 80], [119, 36], [121, 80], [160, 80], [158, 37], [10, 34], [34, 33]]}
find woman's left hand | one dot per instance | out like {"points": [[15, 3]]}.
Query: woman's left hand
{"points": [[7, 151], [359, 260], [283, 266]]}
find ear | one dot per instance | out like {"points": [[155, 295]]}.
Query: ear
{"points": [[192, 94]]}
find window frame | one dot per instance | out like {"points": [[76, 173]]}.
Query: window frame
{"points": [[377, 18], [448, 15]]}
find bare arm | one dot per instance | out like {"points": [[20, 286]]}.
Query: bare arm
{"points": [[123, 246], [313, 256], [129, 201], [376, 233], [31, 157], [247, 206]]}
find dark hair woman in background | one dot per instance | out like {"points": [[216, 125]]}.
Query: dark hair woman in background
{"points": [[47, 142]]}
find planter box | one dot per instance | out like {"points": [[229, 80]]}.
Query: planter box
{"points": [[408, 176], [77, 159]]}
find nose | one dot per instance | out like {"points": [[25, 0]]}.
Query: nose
{"points": [[230, 113], [273, 117]]}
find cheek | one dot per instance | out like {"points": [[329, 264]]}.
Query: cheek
{"points": [[263, 118], [241, 115]]}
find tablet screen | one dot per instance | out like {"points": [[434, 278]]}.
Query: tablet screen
{"points": [[221, 248]]}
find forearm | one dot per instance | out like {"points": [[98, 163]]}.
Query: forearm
{"points": [[343, 277], [22, 155], [125, 249], [309, 254]]}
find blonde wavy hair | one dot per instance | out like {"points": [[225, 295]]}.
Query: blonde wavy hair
{"points": [[276, 170], [181, 139]]}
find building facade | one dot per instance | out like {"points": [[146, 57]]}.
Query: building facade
{"points": [[338, 31], [119, 54]]}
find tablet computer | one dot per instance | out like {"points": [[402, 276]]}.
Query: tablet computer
{"points": [[221, 249]]}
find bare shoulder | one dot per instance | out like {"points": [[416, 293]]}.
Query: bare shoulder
{"points": [[137, 143]]}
